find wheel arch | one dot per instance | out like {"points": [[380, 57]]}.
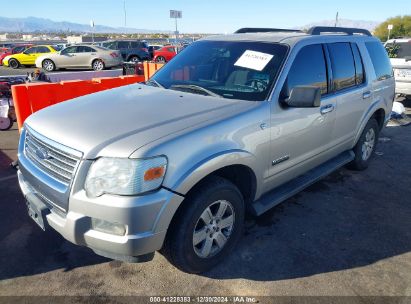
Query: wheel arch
{"points": [[379, 114]]}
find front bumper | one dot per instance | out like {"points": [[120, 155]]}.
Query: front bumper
{"points": [[146, 219]]}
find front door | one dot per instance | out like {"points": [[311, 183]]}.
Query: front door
{"points": [[301, 136]]}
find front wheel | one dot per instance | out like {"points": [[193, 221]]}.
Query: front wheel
{"points": [[134, 59], [365, 147], [98, 65], [207, 227], [14, 64], [48, 65]]}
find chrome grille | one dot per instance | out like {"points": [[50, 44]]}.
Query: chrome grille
{"points": [[49, 157]]}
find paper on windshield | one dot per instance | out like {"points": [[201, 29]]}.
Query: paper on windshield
{"points": [[253, 60]]}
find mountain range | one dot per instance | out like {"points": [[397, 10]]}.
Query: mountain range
{"points": [[34, 24]]}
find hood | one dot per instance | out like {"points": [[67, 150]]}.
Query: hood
{"points": [[105, 123]]}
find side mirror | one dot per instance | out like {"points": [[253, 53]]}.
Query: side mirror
{"points": [[304, 97]]}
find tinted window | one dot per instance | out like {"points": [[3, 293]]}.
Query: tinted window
{"points": [[136, 44], [342, 63], [69, 50], [123, 44], [380, 61], [110, 45], [399, 49], [85, 49], [18, 49], [308, 69], [31, 50], [171, 50], [359, 67], [42, 49]]}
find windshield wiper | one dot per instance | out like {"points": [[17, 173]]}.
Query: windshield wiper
{"points": [[152, 81], [194, 88]]}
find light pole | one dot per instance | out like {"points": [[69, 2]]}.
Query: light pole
{"points": [[125, 13], [389, 27]]}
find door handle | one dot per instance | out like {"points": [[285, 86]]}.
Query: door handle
{"points": [[366, 95], [327, 109]]}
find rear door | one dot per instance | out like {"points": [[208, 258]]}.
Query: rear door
{"points": [[84, 56], [352, 90]]}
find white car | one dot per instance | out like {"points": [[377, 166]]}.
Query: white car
{"points": [[80, 56], [399, 51]]}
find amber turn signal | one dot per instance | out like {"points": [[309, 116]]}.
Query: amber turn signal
{"points": [[154, 173]]}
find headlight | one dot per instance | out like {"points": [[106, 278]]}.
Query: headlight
{"points": [[125, 176]]}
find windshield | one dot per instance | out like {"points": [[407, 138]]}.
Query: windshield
{"points": [[399, 49], [237, 70]]}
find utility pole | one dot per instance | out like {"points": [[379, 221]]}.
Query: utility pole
{"points": [[336, 20], [125, 13], [389, 27]]}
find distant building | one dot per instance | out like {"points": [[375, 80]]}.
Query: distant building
{"points": [[5, 37], [84, 39]]}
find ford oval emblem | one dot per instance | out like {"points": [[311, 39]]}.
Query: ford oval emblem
{"points": [[42, 153]]}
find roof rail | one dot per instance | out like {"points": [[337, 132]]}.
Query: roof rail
{"points": [[317, 30], [262, 30]]}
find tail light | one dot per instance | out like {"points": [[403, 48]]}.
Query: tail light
{"points": [[144, 49]]}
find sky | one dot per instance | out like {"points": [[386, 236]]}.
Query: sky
{"points": [[210, 16]]}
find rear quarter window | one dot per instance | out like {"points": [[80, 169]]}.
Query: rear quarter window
{"points": [[380, 60]]}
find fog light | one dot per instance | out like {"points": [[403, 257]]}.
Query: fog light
{"points": [[107, 227]]}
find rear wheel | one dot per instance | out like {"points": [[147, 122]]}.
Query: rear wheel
{"points": [[14, 63], [98, 65], [207, 227], [365, 147], [48, 65]]}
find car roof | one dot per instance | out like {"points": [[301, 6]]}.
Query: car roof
{"points": [[292, 37]]}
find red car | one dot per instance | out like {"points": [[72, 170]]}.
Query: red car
{"points": [[165, 54], [14, 50]]}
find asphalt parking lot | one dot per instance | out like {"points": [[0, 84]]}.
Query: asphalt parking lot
{"points": [[347, 235]]}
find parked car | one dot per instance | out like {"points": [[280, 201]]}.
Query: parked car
{"points": [[28, 57], [233, 124], [165, 54], [400, 53], [14, 50], [80, 56], [152, 48], [131, 50]]}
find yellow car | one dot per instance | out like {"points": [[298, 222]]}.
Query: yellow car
{"points": [[28, 57]]}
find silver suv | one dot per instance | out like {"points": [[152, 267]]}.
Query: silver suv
{"points": [[399, 51], [234, 124]]}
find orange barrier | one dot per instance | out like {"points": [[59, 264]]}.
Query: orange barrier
{"points": [[31, 97], [150, 68]]}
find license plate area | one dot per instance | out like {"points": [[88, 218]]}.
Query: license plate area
{"points": [[37, 211]]}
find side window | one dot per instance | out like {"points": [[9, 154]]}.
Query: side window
{"points": [[308, 69], [69, 50], [359, 66], [172, 50], [42, 49], [85, 49], [110, 45], [18, 49], [342, 63], [380, 61], [135, 44], [32, 50], [123, 44]]}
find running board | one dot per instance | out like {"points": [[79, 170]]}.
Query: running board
{"points": [[285, 191]]}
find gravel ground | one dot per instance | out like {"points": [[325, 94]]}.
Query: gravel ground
{"points": [[347, 235]]}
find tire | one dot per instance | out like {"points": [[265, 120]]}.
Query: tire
{"points": [[98, 65], [161, 59], [48, 65], [365, 147], [180, 247], [5, 123], [14, 63], [134, 59]]}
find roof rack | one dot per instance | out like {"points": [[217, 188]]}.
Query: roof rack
{"points": [[262, 30], [317, 30]]}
